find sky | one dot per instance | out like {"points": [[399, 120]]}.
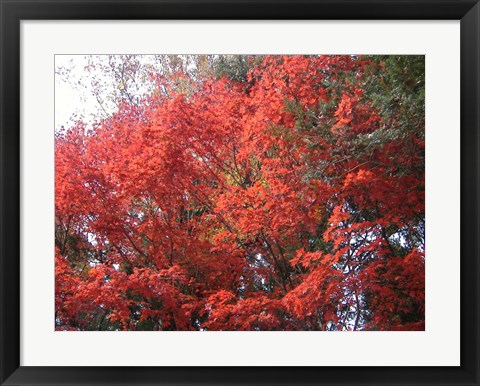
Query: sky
{"points": [[88, 87], [74, 98]]}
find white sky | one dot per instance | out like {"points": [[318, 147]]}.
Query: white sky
{"points": [[74, 98], [86, 88]]}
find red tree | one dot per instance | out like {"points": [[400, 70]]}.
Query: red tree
{"points": [[293, 200]]}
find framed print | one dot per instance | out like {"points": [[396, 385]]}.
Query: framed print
{"points": [[225, 192]]}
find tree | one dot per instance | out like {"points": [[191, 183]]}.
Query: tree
{"points": [[272, 193]]}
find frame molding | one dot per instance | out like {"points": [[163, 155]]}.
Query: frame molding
{"points": [[13, 11]]}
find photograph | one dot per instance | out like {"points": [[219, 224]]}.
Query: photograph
{"points": [[239, 192]]}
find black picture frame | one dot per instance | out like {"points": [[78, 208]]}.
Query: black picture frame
{"points": [[13, 11]]}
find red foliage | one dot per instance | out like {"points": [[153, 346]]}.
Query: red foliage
{"points": [[228, 209]]}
